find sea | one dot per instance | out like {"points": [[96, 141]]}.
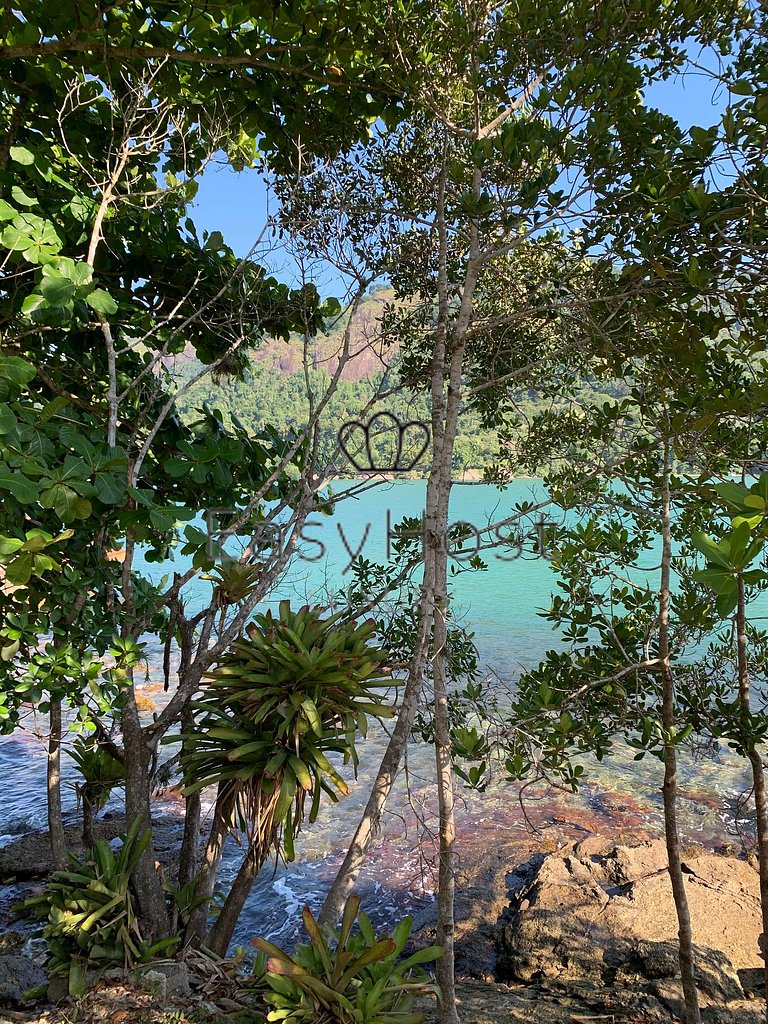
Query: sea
{"points": [[503, 606]]}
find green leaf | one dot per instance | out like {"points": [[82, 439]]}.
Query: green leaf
{"points": [[7, 419], [10, 545], [102, 302], [711, 549], [21, 197], [57, 290], [19, 570], [14, 239], [732, 494], [310, 710], [33, 302], [741, 88], [214, 241], [22, 155], [23, 489], [65, 502], [17, 370]]}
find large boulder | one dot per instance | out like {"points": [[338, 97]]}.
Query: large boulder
{"points": [[18, 974], [603, 914]]}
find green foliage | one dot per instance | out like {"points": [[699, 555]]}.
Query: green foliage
{"points": [[101, 771], [295, 689], [728, 559], [347, 977], [90, 915], [269, 396]]}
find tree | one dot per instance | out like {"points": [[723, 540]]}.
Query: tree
{"points": [[109, 117], [531, 123]]}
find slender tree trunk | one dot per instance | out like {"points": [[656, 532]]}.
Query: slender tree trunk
{"points": [[209, 869], [147, 876], [89, 818], [758, 772], [55, 821], [190, 841], [348, 873], [448, 355], [445, 796], [669, 789], [220, 935], [188, 857]]}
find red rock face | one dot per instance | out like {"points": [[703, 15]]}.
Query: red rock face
{"points": [[369, 354]]}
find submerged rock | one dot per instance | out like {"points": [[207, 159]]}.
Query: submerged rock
{"points": [[603, 914]]}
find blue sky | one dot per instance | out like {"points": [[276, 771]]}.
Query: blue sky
{"points": [[238, 204]]}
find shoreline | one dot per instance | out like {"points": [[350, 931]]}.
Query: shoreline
{"points": [[491, 883]]}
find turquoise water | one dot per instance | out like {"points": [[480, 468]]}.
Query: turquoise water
{"points": [[502, 606]]}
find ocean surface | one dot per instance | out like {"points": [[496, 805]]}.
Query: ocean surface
{"points": [[502, 606]]}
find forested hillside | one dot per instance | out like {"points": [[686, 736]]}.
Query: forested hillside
{"points": [[274, 393]]}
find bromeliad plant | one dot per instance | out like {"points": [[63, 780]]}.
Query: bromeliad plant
{"points": [[296, 689], [90, 916], [347, 977], [101, 774]]}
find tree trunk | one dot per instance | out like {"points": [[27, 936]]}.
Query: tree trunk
{"points": [[220, 935], [55, 821], [348, 873], [209, 869], [758, 773], [445, 796], [448, 355], [147, 877], [189, 844], [669, 789], [188, 858], [89, 818]]}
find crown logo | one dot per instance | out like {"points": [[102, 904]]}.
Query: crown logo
{"points": [[401, 445]]}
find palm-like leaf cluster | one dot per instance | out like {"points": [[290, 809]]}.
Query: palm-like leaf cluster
{"points": [[91, 921], [356, 978], [296, 689]]}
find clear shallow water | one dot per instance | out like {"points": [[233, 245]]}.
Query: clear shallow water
{"points": [[501, 606]]}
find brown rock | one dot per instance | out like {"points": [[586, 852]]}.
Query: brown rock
{"points": [[606, 916]]}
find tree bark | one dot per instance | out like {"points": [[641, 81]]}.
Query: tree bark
{"points": [[189, 843], [209, 869], [445, 797], [188, 857], [758, 772], [669, 788], [55, 821], [147, 878], [89, 817], [221, 933]]}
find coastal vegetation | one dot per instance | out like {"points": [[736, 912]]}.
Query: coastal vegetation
{"points": [[541, 271]]}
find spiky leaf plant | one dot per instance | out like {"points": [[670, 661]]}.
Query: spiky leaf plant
{"points": [[90, 917], [291, 693], [296, 688], [347, 977], [101, 774]]}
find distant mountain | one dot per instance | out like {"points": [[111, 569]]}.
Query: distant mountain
{"points": [[369, 356]]}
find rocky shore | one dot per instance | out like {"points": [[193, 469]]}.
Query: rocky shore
{"points": [[583, 933]]}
